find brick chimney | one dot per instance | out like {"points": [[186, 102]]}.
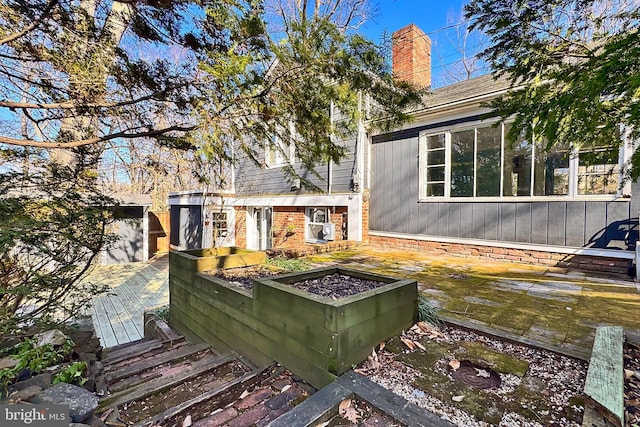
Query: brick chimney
{"points": [[412, 56]]}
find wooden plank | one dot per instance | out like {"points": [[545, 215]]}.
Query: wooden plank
{"points": [[575, 223], [118, 354], [143, 365], [318, 408], [508, 222], [604, 385], [491, 223], [247, 380], [159, 384], [104, 331], [114, 318], [523, 222], [539, 219], [477, 220], [126, 319], [395, 406]]}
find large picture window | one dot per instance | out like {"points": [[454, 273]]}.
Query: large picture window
{"points": [[481, 161]]}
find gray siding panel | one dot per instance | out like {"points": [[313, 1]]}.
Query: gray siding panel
{"points": [[466, 220], [523, 222], [508, 222], [492, 221], [595, 221], [617, 231], [454, 220], [539, 222], [443, 219], [432, 221], [556, 228], [575, 223], [477, 220]]}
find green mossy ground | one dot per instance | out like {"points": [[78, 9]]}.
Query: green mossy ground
{"points": [[513, 297]]}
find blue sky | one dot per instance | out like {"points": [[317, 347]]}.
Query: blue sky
{"points": [[432, 17]]}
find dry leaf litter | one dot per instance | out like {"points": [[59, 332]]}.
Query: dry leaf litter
{"points": [[563, 376]]}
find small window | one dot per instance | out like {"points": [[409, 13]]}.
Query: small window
{"points": [[279, 153], [598, 170], [316, 218], [219, 222], [435, 159]]}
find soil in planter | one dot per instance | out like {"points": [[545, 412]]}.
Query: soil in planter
{"points": [[336, 286], [242, 277], [537, 387], [139, 410]]}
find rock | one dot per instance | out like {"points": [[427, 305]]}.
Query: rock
{"points": [[43, 381], [81, 402], [8, 362], [53, 337], [22, 395]]}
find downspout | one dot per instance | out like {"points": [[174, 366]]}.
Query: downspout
{"points": [[330, 165]]}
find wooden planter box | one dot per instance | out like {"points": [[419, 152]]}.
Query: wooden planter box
{"points": [[225, 257], [315, 337]]}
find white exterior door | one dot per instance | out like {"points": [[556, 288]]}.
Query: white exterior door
{"points": [[259, 235]]}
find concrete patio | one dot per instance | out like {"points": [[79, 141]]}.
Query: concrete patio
{"points": [[549, 305]]}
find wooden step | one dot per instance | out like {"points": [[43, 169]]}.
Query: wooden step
{"points": [[150, 387], [247, 380], [152, 362], [129, 350], [604, 387]]}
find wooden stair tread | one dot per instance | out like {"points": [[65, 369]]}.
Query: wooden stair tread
{"points": [[150, 387], [143, 365]]}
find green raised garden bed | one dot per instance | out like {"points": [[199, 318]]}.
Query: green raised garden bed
{"points": [[316, 337], [225, 257]]}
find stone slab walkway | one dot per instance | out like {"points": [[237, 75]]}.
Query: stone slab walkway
{"points": [[550, 305], [135, 287]]}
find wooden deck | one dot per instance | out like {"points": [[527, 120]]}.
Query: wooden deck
{"points": [[134, 288]]}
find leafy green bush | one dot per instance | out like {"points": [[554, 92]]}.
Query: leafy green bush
{"points": [[72, 374], [30, 356]]}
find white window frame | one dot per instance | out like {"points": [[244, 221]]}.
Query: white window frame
{"points": [[309, 221], [624, 154], [278, 150]]}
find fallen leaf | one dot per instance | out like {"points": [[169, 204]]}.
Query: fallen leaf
{"points": [[285, 388], [351, 414], [420, 346], [381, 346], [244, 394], [408, 343], [343, 406], [455, 364], [458, 398], [187, 421], [482, 373], [628, 374]]}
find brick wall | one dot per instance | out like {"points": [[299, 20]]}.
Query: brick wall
{"points": [[288, 226], [365, 216], [241, 227], [412, 55], [581, 262]]}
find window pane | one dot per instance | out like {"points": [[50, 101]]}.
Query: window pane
{"points": [[488, 161], [435, 173], [598, 170], [435, 141], [517, 167], [435, 189], [436, 157], [551, 171], [462, 163]]}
